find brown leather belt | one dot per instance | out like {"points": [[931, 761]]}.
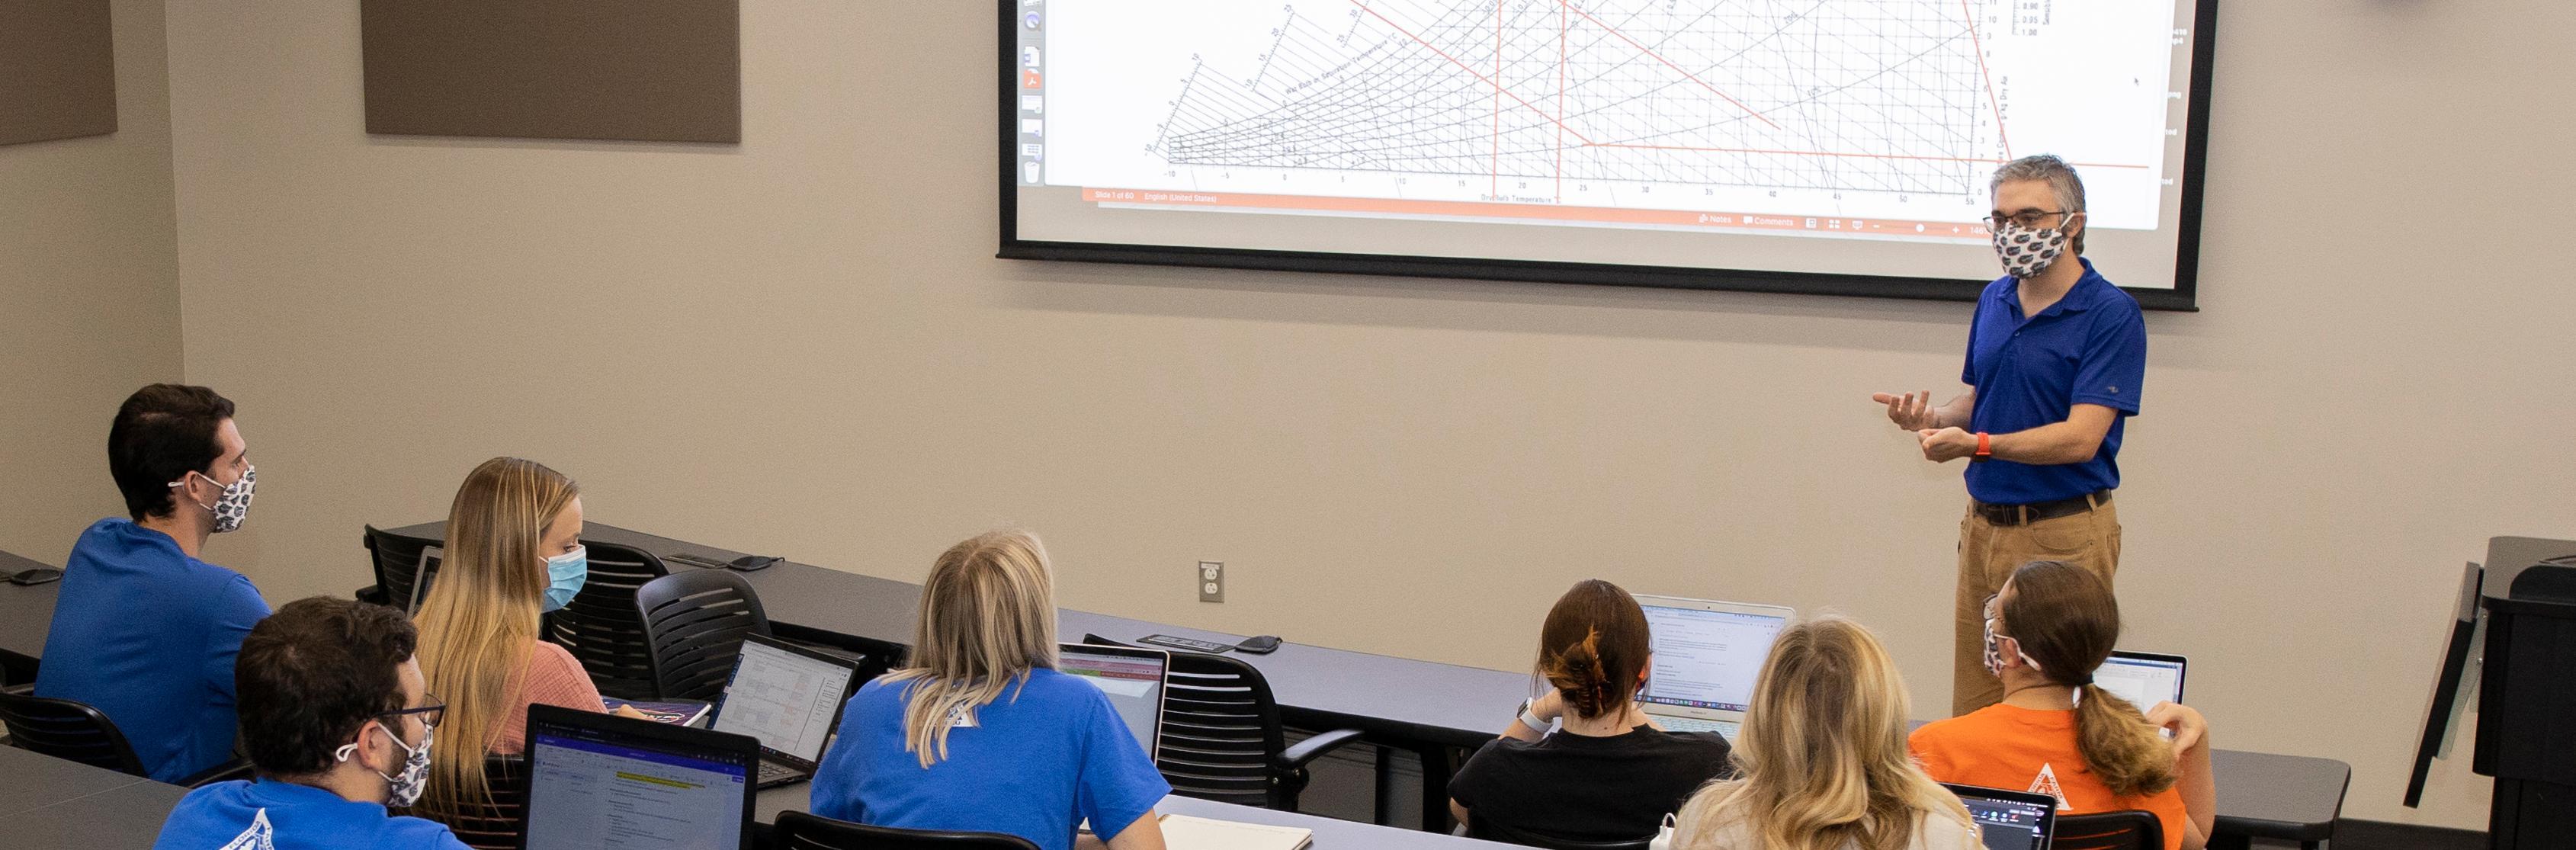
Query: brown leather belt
{"points": [[2036, 511]]}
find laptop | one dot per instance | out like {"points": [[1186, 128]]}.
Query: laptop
{"points": [[1133, 677], [1707, 654], [789, 698], [2142, 678], [2009, 820], [599, 781]]}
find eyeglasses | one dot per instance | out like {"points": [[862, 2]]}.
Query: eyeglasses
{"points": [[31, 577], [430, 714], [2029, 218]]}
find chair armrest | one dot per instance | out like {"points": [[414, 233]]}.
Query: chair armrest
{"points": [[22, 689], [373, 594], [237, 768], [1302, 752]]}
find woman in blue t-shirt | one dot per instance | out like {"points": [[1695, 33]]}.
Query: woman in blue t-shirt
{"points": [[981, 733]]}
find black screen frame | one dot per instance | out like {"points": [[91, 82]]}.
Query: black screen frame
{"points": [[2183, 297]]}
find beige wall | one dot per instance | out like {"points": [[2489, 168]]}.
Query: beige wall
{"points": [[801, 345], [89, 297]]}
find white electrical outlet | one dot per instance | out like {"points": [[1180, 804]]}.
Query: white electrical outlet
{"points": [[1211, 581]]}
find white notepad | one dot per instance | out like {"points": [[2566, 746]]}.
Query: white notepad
{"points": [[1183, 832]]}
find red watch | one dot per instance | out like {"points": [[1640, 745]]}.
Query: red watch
{"points": [[1985, 445]]}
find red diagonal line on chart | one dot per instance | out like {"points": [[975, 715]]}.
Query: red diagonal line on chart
{"points": [[1498, 86], [1669, 63], [1833, 153], [1978, 45], [1496, 164]]}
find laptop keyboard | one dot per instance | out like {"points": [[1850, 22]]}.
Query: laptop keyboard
{"points": [[771, 771], [1727, 728]]}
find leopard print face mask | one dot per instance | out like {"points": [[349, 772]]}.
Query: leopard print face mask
{"points": [[2027, 251], [234, 505]]}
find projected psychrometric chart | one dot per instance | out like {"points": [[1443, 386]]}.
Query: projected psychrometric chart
{"points": [[1884, 115], [1611, 103]]}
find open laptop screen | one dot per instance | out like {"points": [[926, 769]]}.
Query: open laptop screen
{"points": [[2009, 820], [2143, 679], [597, 781], [786, 697], [1706, 659], [1133, 679]]}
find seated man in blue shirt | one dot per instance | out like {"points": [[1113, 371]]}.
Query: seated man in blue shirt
{"points": [[143, 631], [338, 720]]}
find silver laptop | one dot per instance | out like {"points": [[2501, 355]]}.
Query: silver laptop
{"points": [[2143, 678], [1134, 679], [1707, 654], [789, 698]]}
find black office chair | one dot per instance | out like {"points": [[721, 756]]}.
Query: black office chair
{"points": [[74, 731], [495, 823], [694, 623], [802, 831], [601, 627], [398, 563], [1487, 829], [2129, 830], [1222, 739]]}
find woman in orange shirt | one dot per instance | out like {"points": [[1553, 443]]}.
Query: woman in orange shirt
{"points": [[513, 553], [2056, 733]]}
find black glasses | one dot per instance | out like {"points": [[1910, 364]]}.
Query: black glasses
{"points": [[2028, 218], [430, 714], [31, 577]]}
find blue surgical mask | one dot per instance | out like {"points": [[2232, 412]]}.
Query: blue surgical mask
{"points": [[565, 574]]}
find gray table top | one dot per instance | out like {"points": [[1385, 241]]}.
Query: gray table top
{"points": [[2262, 795], [1330, 833], [127, 816], [26, 613], [1419, 700], [29, 781]]}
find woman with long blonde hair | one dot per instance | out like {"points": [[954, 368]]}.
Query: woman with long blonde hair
{"points": [[1821, 762], [513, 552], [979, 732]]}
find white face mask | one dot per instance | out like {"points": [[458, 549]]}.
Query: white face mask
{"points": [[403, 788], [233, 505]]}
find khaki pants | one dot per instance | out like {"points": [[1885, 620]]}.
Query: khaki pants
{"points": [[1988, 554]]}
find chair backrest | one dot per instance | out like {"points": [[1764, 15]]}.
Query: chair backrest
{"points": [[496, 824], [600, 626], [802, 831], [2129, 830], [1221, 733], [694, 623], [398, 561], [1489, 829], [67, 730]]}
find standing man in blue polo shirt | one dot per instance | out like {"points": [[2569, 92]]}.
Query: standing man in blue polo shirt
{"points": [[2055, 357], [144, 631]]}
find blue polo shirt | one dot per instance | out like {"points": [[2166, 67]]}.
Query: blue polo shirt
{"points": [[2088, 348], [147, 635], [285, 816], [1046, 755]]}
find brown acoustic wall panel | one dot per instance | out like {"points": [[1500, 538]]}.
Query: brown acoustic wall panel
{"points": [[57, 70], [649, 70]]}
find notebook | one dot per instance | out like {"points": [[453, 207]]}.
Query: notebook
{"points": [[1183, 832]]}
